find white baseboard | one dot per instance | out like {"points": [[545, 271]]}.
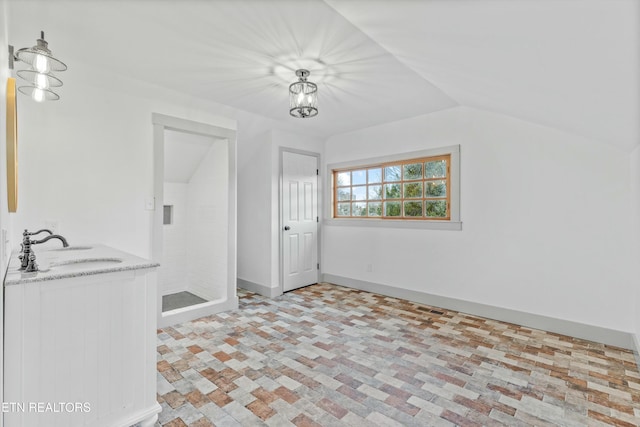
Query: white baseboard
{"points": [[636, 349], [259, 289], [599, 334]]}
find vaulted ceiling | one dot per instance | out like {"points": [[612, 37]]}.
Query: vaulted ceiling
{"points": [[568, 64], [183, 154]]}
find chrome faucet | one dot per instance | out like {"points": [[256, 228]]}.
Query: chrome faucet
{"points": [[49, 237], [25, 251], [27, 256], [33, 233]]}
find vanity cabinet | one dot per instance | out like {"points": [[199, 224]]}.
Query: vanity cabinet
{"points": [[80, 343]]}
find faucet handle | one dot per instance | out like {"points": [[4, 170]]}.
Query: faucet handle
{"points": [[33, 233], [32, 266]]}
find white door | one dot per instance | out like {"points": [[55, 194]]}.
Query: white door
{"points": [[299, 220]]}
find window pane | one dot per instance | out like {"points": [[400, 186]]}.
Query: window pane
{"points": [[413, 171], [344, 193], [392, 173], [436, 208], [359, 209], [392, 209], [405, 189], [359, 177], [413, 208], [392, 191], [359, 193], [437, 169], [375, 176], [375, 192], [344, 209], [344, 178], [375, 209], [413, 190], [436, 189]]}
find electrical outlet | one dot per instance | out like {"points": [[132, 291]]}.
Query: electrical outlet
{"points": [[369, 268]]}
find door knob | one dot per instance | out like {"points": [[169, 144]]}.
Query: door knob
{"points": [[287, 228]]}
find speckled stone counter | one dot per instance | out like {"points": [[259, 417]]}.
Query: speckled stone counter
{"points": [[74, 261]]}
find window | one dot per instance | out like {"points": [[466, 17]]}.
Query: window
{"points": [[414, 189]]}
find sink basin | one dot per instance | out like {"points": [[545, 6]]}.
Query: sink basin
{"points": [[85, 264], [73, 248]]}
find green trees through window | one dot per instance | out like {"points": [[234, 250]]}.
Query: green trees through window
{"points": [[409, 189]]}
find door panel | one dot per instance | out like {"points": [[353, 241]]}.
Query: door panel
{"points": [[293, 201], [308, 201], [300, 226], [309, 242], [293, 254]]}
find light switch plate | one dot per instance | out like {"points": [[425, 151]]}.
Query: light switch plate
{"points": [[150, 203]]}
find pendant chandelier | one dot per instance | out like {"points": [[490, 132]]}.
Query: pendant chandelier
{"points": [[40, 76], [303, 97]]}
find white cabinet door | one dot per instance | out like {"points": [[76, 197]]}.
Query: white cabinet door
{"points": [[299, 220]]}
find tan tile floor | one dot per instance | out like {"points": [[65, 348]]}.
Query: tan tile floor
{"points": [[332, 356]]}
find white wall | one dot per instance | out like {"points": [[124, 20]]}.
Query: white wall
{"points": [[6, 219], [4, 215], [259, 204], [283, 140], [545, 220], [635, 215], [86, 161], [254, 209], [207, 234], [173, 269]]}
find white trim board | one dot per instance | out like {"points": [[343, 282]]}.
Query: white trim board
{"points": [[598, 334], [454, 224], [259, 289], [186, 314], [226, 131], [636, 349]]}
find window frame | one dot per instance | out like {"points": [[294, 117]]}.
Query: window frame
{"points": [[452, 222]]}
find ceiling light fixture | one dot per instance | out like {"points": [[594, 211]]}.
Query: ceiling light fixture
{"points": [[40, 76], [303, 97]]}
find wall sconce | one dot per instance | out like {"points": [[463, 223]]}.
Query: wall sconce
{"points": [[303, 97], [40, 76]]}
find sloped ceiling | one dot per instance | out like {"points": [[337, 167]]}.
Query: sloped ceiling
{"points": [[183, 153], [568, 64]]}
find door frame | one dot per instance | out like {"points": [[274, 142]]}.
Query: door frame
{"points": [[281, 210], [161, 123]]}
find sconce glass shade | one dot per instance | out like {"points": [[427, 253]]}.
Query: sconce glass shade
{"points": [[38, 94], [40, 76], [39, 57], [303, 97], [41, 80]]}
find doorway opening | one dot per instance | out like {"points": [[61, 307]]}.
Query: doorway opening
{"points": [[194, 220]]}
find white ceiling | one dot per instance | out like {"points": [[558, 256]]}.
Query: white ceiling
{"points": [[183, 153], [568, 64]]}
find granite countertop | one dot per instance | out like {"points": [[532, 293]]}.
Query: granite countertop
{"points": [[74, 261]]}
